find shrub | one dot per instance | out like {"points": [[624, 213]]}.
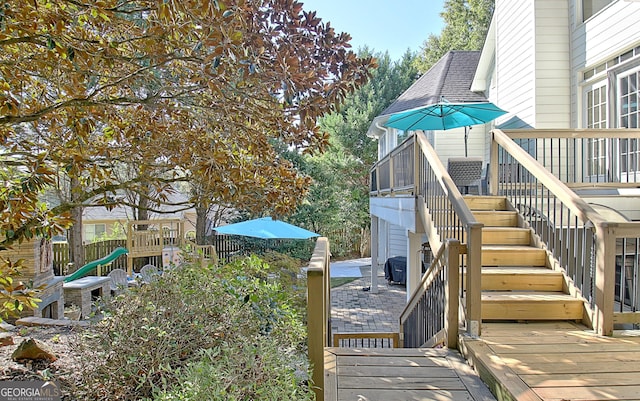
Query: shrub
{"points": [[193, 319], [239, 371]]}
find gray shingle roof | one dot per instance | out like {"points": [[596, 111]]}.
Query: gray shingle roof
{"points": [[450, 78]]}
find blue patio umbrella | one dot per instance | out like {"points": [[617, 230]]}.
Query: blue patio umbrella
{"points": [[444, 115], [266, 228]]}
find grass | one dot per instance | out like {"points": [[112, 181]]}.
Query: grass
{"points": [[338, 281]]}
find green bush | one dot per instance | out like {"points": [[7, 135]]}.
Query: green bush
{"points": [[240, 371], [157, 340]]}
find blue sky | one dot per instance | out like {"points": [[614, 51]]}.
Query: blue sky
{"points": [[382, 24]]}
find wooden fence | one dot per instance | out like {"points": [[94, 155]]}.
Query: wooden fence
{"points": [[344, 242], [92, 252]]}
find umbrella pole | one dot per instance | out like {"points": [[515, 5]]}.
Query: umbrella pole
{"points": [[466, 136]]}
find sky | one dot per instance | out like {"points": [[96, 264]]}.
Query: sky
{"points": [[382, 24]]}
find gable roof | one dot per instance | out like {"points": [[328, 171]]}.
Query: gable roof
{"points": [[172, 209], [450, 78]]}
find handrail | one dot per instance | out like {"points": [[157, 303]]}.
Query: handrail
{"points": [[446, 215], [318, 312], [600, 257], [441, 278], [576, 204], [449, 187]]}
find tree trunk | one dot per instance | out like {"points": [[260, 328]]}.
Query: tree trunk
{"points": [[143, 207], [76, 248], [201, 225]]}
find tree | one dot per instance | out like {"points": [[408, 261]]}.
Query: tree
{"points": [[195, 89], [339, 196], [197, 85], [466, 25]]}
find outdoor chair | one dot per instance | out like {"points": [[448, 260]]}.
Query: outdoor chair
{"points": [[118, 280], [148, 273], [466, 173]]}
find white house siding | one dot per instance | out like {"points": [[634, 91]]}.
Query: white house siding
{"points": [[552, 64], [515, 67], [450, 143], [609, 33], [397, 215], [397, 241]]}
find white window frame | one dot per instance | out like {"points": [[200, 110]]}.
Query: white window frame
{"points": [[629, 148], [594, 10], [90, 231], [598, 149]]}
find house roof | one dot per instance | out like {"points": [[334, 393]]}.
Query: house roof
{"points": [[487, 58], [450, 78], [171, 210]]}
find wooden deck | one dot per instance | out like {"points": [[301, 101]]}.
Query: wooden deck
{"points": [[400, 375], [556, 361]]}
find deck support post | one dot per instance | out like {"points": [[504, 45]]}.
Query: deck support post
{"points": [[452, 292], [375, 243], [474, 279], [605, 279], [318, 312], [414, 264]]}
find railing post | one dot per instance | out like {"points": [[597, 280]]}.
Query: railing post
{"points": [[452, 293], [605, 278], [417, 152], [494, 165], [374, 254], [474, 280], [318, 312], [392, 174]]}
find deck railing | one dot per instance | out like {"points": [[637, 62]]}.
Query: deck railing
{"points": [[319, 312], [367, 340], [431, 315], [582, 157], [600, 257], [395, 172], [414, 168]]}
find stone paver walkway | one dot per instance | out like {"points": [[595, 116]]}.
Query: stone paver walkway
{"points": [[355, 310]]}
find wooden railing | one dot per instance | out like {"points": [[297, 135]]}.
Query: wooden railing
{"points": [[318, 312], [414, 168], [367, 340], [431, 315], [445, 215], [600, 257], [204, 254], [395, 172]]}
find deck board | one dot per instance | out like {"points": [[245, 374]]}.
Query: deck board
{"points": [[400, 374], [556, 361]]}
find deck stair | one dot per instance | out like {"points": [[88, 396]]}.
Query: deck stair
{"points": [[517, 280]]}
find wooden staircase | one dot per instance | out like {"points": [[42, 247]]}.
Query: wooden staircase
{"points": [[517, 280]]}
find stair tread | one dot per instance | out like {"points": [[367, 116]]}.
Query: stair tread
{"points": [[519, 270], [528, 296], [502, 228], [511, 247], [482, 211]]}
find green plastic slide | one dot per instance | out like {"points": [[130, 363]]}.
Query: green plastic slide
{"points": [[84, 270]]}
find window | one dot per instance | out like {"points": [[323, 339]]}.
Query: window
{"points": [[596, 117], [401, 136], [591, 7], [93, 231], [628, 114], [610, 100], [628, 93]]}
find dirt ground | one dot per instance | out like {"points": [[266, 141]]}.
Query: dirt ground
{"points": [[58, 339]]}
